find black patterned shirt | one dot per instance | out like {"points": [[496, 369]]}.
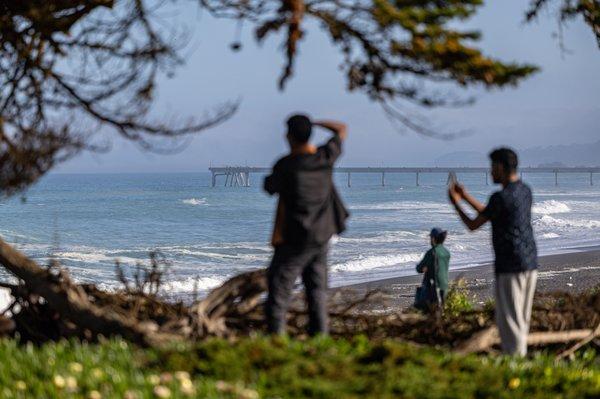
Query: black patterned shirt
{"points": [[509, 210]]}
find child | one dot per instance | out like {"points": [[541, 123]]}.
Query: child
{"points": [[435, 268]]}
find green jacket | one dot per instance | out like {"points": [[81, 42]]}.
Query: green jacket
{"points": [[443, 256]]}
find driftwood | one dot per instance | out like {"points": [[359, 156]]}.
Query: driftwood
{"points": [[70, 299], [49, 305], [584, 341], [235, 299], [486, 339]]}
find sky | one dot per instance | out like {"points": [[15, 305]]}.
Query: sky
{"points": [[558, 105]]}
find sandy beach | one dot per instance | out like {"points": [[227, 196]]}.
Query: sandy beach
{"points": [[571, 272]]}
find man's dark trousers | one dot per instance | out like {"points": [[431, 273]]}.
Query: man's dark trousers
{"points": [[288, 263]]}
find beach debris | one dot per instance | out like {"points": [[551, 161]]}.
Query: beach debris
{"points": [[584, 341], [484, 340], [48, 305]]}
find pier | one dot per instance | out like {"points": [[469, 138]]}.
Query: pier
{"points": [[239, 176]]}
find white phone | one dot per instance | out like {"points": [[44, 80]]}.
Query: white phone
{"points": [[452, 179]]}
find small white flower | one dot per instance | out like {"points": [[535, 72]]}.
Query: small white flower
{"points": [[71, 383], [153, 379], [162, 391], [182, 375], [75, 367], [94, 395], [59, 381]]}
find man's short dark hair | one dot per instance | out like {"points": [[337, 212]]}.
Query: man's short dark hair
{"points": [[505, 157], [299, 127]]}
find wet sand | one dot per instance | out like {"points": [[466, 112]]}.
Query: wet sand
{"points": [[570, 272]]}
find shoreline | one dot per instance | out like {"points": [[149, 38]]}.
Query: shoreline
{"points": [[570, 272]]}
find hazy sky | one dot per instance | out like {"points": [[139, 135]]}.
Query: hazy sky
{"points": [[559, 105]]}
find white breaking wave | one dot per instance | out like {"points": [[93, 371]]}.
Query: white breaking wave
{"points": [[550, 235], [550, 222], [221, 256], [93, 256], [550, 207], [404, 206], [195, 201], [188, 285], [389, 237], [5, 299], [375, 262]]}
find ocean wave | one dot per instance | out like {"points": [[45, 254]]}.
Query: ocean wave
{"points": [[13, 235], [388, 237], [93, 256], [218, 255], [404, 206], [375, 262], [552, 222], [6, 299], [550, 207], [213, 254], [188, 285], [195, 201], [549, 235], [213, 246]]}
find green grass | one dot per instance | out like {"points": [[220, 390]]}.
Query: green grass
{"points": [[459, 299], [284, 368]]}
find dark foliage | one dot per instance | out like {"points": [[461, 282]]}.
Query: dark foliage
{"points": [[71, 68]]}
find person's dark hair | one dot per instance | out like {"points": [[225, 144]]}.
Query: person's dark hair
{"points": [[438, 235], [505, 157], [299, 128], [440, 238]]}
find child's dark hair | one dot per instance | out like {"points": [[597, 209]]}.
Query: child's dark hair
{"points": [[440, 238]]}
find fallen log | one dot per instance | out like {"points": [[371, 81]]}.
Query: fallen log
{"points": [[67, 298], [485, 339], [584, 341], [233, 299]]}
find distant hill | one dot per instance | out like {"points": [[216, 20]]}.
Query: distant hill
{"points": [[564, 155]]}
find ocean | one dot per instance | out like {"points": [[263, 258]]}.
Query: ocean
{"points": [[88, 221]]}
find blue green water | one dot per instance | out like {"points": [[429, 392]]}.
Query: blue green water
{"points": [[209, 234]]}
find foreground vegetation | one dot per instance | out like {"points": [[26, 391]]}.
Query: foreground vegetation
{"points": [[262, 367]]}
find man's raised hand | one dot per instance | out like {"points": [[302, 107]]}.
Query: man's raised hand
{"points": [[454, 194], [338, 128]]}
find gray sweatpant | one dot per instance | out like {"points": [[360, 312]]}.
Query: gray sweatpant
{"points": [[514, 299], [287, 265]]}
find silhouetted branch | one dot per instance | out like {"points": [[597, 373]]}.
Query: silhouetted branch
{"points": [[91, 61]]}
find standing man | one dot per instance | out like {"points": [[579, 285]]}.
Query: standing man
{"points": [[516, 264], [309, 212]]}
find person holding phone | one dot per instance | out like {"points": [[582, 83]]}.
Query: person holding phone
{"points": [[515, 249]]}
